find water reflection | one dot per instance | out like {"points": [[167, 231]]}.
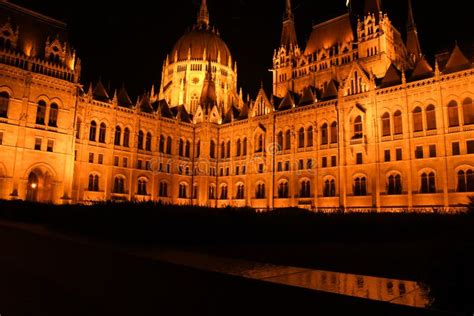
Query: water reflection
{"points": [[393, 291]]}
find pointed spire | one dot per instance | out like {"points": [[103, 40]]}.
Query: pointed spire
{"points": [[413, 42], [203, 17], [288, 35]]}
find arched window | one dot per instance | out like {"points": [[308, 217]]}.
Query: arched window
{"points": [[468, 111], [93, 183], [280, 140], [119, 187], [288, 140], [240, 192], [360, 186], [198, 149], [93, 131], [453, 114], [228, 149], [417, 120], [358, 128], [141, 140], [148, 141], [53, 115], [238, 148], [163, 192], [212, 150], [195, 191], [301, 138], [428, 183], [310, 140], [78, 128], [169, 145], [283, 190], [260, 191], [118, 135], [212, 192], [465, 181], [259, 144], [224, 192], [4, 102], [334, 133], [244, 147], [305, 189], [324, 134], [102, 133], [397, 123], [329, 188], [431, 117], [394, 186], [126, 138], [386, 129], [161, 145], [41, 113], [222, 150], [183, 191], [188, 149], [142, 184], [181, 148]]}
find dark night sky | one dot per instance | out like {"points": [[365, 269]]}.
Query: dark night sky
{"points": [[127, 42]]}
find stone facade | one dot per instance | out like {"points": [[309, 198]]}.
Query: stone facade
{"points": [[356, 126]]}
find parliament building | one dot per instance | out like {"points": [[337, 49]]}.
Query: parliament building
{"points": [[358, 119]]}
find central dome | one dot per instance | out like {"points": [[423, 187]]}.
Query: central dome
{"points": [[199, 40]]}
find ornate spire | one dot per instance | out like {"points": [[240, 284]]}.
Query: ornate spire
{"points": [[203, 17], [288, 35], [413, 42], [208, 94]]}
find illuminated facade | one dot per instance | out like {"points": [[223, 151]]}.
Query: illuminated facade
{"points": [[357, 119]]}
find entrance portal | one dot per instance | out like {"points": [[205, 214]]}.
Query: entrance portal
{"points": [[39, 187]]}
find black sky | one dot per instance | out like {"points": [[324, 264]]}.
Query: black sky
{"points": [[126, 43]]}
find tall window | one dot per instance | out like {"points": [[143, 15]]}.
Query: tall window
{"points": [[198, 149], [468, 111], [119, 187], [224, 192], [305, 189], [283, 190], [329, 188], [41, 113], [53, 115], [187, 150], [238, 150], [126, 138], [417, 120], [334, 133], [183, 191], [102, 132], [324, 134], [358, 128], [465, 181], [222, 150], [93, 183], [244, 147], [212, 150], [212, 192], [148, 141], [280, 140], [161, 145], [301, 138], [386, 129], [428, 184], [118, 135], [360, 186], [163, 192], [141, 140], [394, 186], [169, 145], [260, 191], [141, 190], [288, 140], [78, 128], [93, 131], [430, 117], [4, 101], [310, 137], [453, 114], [240, 192], [397, 123], [228, 149]]}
